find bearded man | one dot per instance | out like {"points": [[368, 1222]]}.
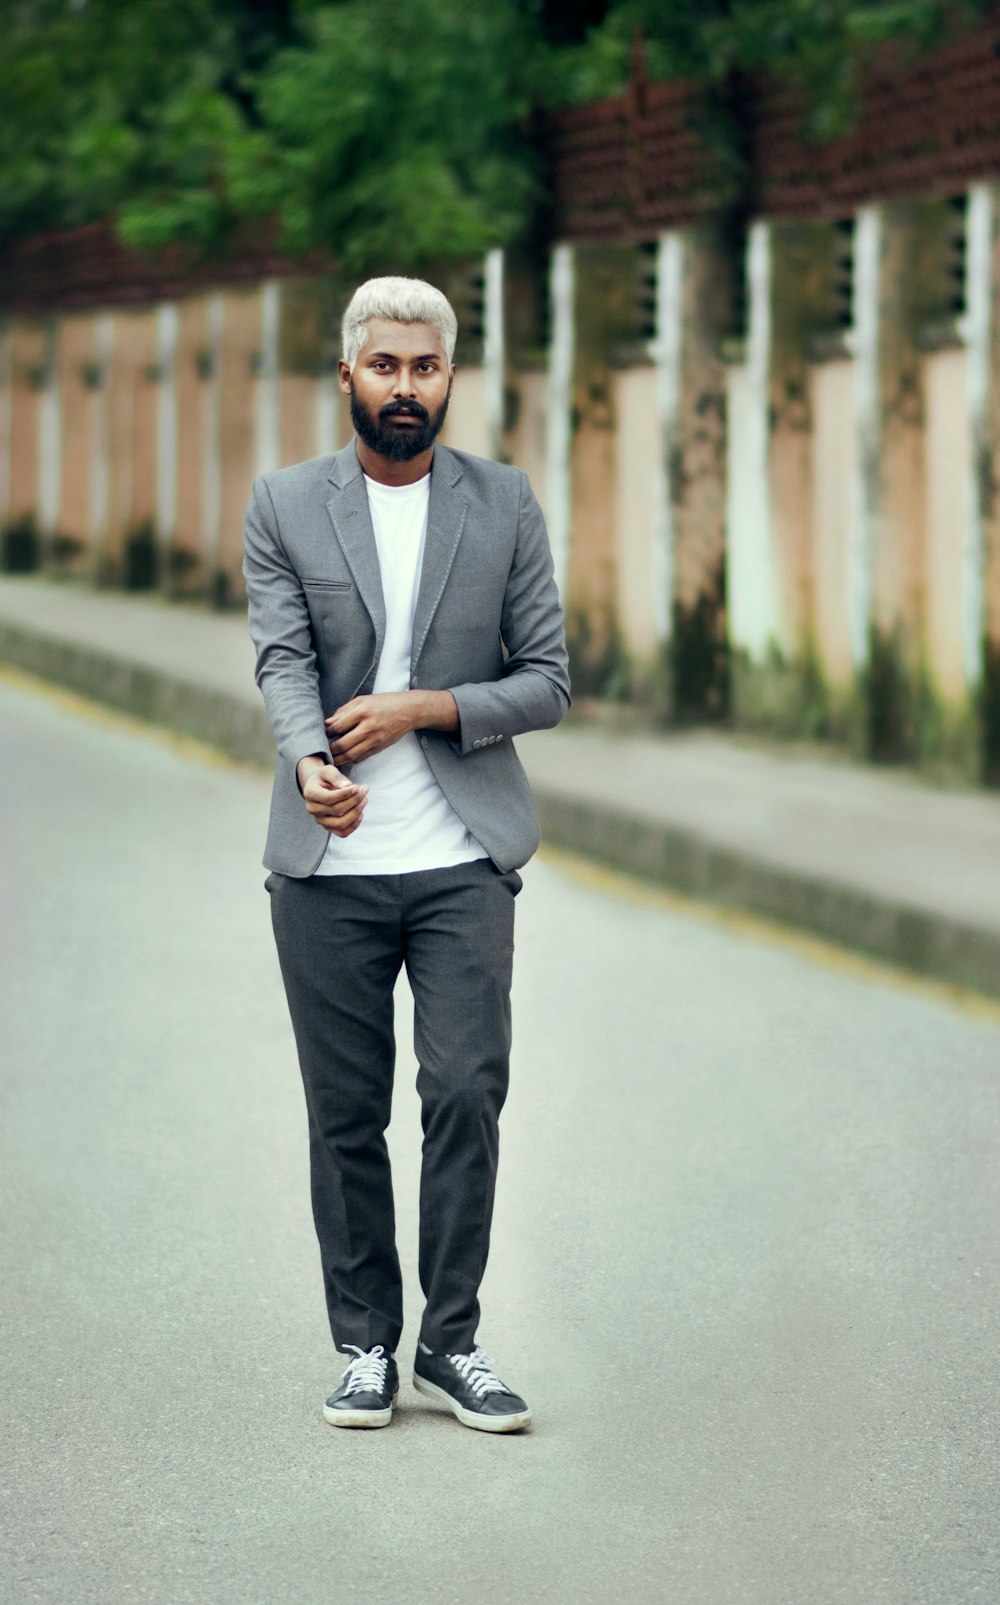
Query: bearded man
{"points": [[407, 627]]}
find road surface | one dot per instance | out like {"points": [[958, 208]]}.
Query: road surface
{"points": [[745, 1257]]}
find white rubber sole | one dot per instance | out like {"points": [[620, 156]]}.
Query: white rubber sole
{"points": [[358, 1418], [469, 1418]]}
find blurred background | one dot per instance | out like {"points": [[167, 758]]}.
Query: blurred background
{"points": [[728, 279], [725, 275]]}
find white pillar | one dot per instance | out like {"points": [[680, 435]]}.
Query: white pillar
{"points": [[559, 438], [493, 350], [976, 331], [100, 432], [752, 579], [666, 351], [268, 383], [327, 411], [863, 343], [50, 436], [167, 321], [211, 450], [6, 409]]}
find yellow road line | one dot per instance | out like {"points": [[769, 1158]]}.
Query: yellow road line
{"points": [[98, 713], [816, 949]]}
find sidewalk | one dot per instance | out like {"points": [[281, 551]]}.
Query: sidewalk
{"points": [[876, 859]]}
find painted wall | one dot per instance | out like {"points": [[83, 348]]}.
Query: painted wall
{"points": [[75, 402], [132, 404], [27, 348], [188, 542], [831, 386], [946, 456], [637, 441], [525, 440], [818, 494], [466, 427], [239, 387]]}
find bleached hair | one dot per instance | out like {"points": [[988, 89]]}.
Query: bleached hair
{"points": [[401, 301]]}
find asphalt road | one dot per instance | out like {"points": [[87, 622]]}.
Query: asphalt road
{"points": [[745, 1260]]}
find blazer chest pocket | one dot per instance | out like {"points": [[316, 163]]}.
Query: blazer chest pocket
{"points": [[326, 585]]}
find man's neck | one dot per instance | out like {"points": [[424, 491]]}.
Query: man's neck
{"points": [[386, 471]]}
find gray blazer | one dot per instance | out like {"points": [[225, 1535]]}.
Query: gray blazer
{"points": [[317, 618]]}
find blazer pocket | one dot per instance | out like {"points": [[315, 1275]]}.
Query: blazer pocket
{"points": [[326, 585]]}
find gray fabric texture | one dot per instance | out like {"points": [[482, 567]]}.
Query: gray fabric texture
{"points": [[488, 627], [341, 941]]}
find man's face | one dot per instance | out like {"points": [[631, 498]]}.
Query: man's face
{"points": [[399, 389]]}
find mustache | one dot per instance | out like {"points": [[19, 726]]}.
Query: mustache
{"points": [[404, 409]]}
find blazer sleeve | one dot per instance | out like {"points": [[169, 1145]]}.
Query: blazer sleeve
{"points": [[533, 692], [282, 635]]}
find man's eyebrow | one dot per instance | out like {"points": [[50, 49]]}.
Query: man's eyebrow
{"points": [[393, 356]]}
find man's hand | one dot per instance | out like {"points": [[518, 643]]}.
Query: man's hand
{"points": [[333, 800], [367, 725]]}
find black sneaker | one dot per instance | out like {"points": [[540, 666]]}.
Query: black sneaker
{"points": [[368, 1392], [467, 1384]]}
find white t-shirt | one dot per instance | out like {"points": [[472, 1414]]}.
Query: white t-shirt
{"points": [[408, 823]]}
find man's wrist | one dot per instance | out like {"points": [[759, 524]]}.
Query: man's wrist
{"points": [[434, 710], [307, 766]]}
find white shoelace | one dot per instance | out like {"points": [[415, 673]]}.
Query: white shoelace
{"points": [[366, 1374], [477, 1369]]}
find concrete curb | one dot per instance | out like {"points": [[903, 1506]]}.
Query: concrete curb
{"points": [[919, 939], [237, 728]]}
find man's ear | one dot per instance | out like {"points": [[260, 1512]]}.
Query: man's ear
{"points": [[344, 374]]}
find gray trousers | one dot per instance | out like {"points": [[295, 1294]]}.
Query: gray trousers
{"points": [[341, 942]]}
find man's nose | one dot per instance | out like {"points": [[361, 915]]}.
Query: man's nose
{"points": [[404, 387]]}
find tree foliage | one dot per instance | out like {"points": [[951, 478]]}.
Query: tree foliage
{"points": [[822, 45], [392, 133], [376, 131], [105, 104]]}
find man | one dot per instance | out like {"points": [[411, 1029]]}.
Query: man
{"points": [[407, 626]]}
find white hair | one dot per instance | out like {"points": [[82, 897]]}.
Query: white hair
{"points": [[400, 301]]}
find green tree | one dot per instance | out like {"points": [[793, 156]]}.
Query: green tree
{"points": [[375, 131], [104, 104], [821, 45], [372, 130], [393, 133]]}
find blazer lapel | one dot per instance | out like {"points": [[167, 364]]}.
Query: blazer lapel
{"points": [[446, 515], [352, 524]]}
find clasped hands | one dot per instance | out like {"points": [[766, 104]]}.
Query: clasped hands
{"points": [[357, 730]]}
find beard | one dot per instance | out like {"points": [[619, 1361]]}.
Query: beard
{"points": [[399, 445]]}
